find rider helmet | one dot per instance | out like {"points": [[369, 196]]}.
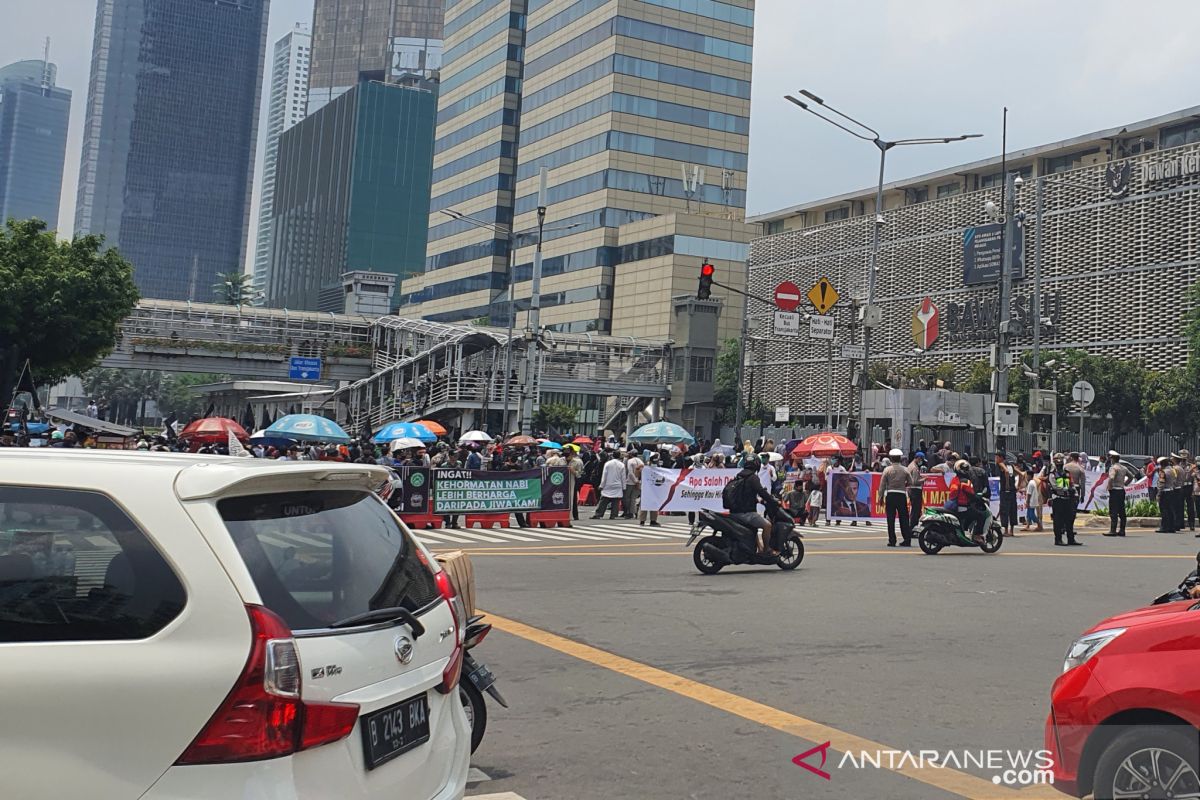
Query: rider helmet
{"points": [[962, 467]]}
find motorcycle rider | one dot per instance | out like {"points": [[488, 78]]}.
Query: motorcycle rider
{"points": [[743, 505], [962, 492]]}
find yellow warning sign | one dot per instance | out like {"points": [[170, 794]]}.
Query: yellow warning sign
{"points": [[823, 296]]}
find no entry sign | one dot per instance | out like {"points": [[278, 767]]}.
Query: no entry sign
{"points": [[787, 296]]}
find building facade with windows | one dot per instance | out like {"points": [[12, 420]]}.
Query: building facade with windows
{"points": [[1118, 256], [351, 193], [33, 140], [639, 109], [169, 138], [378, 40], [287, 104]]}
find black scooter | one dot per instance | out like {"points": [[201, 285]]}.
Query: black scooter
{"points": [[1183, 591], [479, 679], [731, 542]]}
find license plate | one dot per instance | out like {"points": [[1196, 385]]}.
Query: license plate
{"points": [[394, 730], [482, 677]]}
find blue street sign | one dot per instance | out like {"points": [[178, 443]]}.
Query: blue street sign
{"points": [[304, 369]]}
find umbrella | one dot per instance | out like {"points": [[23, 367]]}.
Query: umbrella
{"points": [[34, 428], [583, 440], [774, 457], [520, 440], [403, 430], [475, 436], [308, 428], [661, 433], [405, 443], [212, 430], [435, 428], [825, 445], [271, 440], [550, 445]]}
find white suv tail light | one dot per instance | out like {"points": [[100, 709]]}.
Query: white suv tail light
{"points": [[453, 670], [263, 716]]}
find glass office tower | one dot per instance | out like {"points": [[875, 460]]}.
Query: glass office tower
{"points": [[351, 193], [378, 40], [168, 143], [33, 140]]}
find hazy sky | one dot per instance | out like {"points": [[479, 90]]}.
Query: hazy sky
{"points": [[908, 67]]}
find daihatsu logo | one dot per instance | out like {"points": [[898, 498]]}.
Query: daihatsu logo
{"points": [[404, 649]]}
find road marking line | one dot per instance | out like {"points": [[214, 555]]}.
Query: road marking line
{"points": [[496, 796], [478, 537], [945, 778]]}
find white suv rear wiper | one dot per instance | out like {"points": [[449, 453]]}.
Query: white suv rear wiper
{"points": [[392, 614]]}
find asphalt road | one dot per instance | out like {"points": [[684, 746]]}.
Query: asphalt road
{"points": [[631, 675]]}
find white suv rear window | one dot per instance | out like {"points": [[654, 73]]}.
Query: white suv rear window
{"points": [[322, 556]]}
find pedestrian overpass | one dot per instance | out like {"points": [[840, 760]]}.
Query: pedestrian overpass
{"points": [[391, 367]]}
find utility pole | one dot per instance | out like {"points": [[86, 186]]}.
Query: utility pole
{"points": [[1004, 333], [533, 322], [870, 314]]}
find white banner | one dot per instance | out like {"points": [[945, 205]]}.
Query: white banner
{"points": [[666, 489]]}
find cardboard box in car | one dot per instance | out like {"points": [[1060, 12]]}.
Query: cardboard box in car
{"points": [[462, 575]]}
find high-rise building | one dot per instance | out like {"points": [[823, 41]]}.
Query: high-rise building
{"points": [[351, 194], [168, 143], [289, 98], [379, 40], [640, 111], [33, 140]]}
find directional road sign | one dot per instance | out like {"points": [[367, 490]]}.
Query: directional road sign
{"points": [[304, 369], [823, 296]]}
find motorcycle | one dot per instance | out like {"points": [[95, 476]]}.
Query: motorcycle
{"points": [[1183, 591], [734, 543], [479, 679], [938, 528]]}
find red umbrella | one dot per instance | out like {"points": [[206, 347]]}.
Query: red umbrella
{"points": [[520, 440], [825, 445], [212, 430], [582, 440]]}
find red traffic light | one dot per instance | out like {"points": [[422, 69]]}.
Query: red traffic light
{"points": [[704, 291]]}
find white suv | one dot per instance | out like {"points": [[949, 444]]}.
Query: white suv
{"points": [[177, 626]]}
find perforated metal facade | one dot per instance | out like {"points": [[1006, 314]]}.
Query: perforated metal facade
{"points": [[1121, 267]]}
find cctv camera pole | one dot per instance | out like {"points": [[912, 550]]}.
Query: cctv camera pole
{"points": [[1004, 334], [1039, 209], [533, 328]]}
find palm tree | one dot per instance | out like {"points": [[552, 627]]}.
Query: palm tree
{"points": [[231, 288]]}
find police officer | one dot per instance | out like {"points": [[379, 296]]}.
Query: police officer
{"points": [[1079, 480], [1187, 488], [1166, 495], [916, 498], [1063, 500], [1119, 477]]}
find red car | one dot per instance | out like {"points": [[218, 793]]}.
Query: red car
{"points": [[1125, 714]]}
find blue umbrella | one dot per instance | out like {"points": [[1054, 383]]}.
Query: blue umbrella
{"points": [[551, 445], [278, 441], [403, 430], [661, 433], [35, 428], [308, 428]]}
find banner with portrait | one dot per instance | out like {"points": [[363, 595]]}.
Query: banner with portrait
{"points": [[678, 490]]}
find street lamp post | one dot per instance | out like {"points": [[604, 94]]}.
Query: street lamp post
{"points": [[533, 321], [869, 313]]}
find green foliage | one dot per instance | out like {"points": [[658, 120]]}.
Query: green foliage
{"points": [[211, 345], [232, 288], [1136, 508], [63, 302], [725, 383], [556, 416], [178, 393], [1170, 402], [978, 380], [125, 392], [1119, 388]]}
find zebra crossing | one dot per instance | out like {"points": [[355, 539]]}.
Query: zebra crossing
{"points": [[582, 532]]}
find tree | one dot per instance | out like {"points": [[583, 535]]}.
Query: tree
{"points": [[978, 380], [556, 416], [1170, 402], [725, 384], [63, 302], [231, 288], [178, 395], [1119, 386]]}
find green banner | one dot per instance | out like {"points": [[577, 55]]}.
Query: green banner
{"points": [[462, 491]]}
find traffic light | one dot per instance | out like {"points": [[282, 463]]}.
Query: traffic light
{"points": [[706, 278]]}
